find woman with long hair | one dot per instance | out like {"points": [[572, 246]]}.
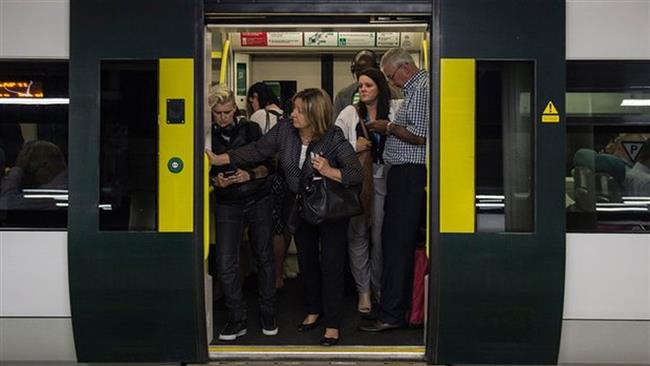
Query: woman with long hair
{"points": [[263, 106], [374, 104]]}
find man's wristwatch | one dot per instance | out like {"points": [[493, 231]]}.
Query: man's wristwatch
{"points": [[389, 126], [251, 173]]}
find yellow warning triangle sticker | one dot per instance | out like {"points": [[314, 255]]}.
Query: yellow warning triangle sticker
{"points": [[550, 109]]}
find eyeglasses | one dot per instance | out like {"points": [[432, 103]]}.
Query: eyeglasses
{"points": [[391, 76]]}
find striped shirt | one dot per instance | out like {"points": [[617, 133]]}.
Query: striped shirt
{"points": [[414, 116], [284, 140]]}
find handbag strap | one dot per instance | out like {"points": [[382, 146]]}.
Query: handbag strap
{"points": [[304, 177], [363, 126]]}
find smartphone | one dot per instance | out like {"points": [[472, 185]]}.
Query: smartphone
{"points": [[229, 173]]}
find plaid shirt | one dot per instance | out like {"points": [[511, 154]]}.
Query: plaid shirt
{"points": [[414, 116]]}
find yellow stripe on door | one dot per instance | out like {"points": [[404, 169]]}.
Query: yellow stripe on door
{"points": [[457, 152], [176, 145]]}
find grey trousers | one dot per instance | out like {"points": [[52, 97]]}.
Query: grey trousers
{"points": [[366, 262]]}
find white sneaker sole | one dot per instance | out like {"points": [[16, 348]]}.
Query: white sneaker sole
{"points": [[271, 332], [232, 337]]}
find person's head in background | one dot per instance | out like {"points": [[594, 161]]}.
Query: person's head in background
{"points": [[41, 161], [363, 59], [617, 148], [373, 90], [312, 112], [222, 105], [398, 66], [260, 96]]}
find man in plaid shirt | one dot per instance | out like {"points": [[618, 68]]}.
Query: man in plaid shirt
{"points": [[405, 152]]}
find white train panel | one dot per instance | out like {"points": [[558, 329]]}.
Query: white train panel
{"points": [[607, 276], [607, 29], [34, 274], [34, 28], [41, 339], [605, 342]]}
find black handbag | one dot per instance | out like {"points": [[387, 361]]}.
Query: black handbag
{"points": [[321, 199], [327, 200]]}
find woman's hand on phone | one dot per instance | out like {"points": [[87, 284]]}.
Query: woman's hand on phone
{"points": [[240, 176], [221, 181]]}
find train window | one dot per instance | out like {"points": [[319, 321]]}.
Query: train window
{"points": [[504, 146], [128, 150], [608, 146], [33, 144]]}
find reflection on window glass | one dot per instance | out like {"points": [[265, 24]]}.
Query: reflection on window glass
{"points": [[608, 146], [128, 151], [504, 146], [33, 144]]}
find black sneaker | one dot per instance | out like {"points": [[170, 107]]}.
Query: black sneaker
{"points": [[233, 330], [269, 327]]}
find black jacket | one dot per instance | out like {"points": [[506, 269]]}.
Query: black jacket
{"points": [[283, 140], [239, 134]]}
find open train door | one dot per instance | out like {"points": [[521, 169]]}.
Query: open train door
{"points": [[136, 198], [501, 247]]}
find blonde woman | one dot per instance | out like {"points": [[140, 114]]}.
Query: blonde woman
{"points": [[321, 248]]}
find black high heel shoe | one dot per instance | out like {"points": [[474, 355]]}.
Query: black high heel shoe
{"points": [[328, 342], [306, 327]]}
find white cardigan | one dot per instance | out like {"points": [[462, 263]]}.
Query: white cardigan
{"points": [[349, 118]]}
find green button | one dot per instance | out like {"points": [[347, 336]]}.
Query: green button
{"points": [[175, 165]]}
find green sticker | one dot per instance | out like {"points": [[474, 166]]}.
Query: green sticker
{"points": [[175, 165]]}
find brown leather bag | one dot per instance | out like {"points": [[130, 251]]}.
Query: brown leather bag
{"points": [[367, 186]]}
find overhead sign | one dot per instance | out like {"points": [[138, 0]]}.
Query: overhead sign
{"points": [[321, 39], [284, 39], [356, 39], [253, 39], [387, 39], [550, 114], [632, 148], [410, 39]]}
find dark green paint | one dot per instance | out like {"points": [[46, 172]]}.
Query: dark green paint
{"points": [[501, 295], [134, 296]]}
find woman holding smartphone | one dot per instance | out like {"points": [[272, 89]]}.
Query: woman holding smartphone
{"points": [[243, 199], [321, 248]]}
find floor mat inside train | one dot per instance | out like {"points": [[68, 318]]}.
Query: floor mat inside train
{"points": [[291, 311]]}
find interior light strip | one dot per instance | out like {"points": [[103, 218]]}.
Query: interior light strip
{"points": [[35, 101], [635, 103]]}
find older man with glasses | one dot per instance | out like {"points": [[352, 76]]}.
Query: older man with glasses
{"points": [[405, 153]]}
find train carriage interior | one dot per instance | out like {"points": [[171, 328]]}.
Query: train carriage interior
{"points": [[290, 54]]}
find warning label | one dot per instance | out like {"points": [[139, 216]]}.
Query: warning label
{"points": [[550, 114]]}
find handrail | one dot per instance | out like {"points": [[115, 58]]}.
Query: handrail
{"points": [[224, 61], [425, 54]]}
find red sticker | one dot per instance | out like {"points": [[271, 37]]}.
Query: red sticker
{"points": [[254, 39]]}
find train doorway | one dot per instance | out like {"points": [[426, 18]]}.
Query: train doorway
{"points": [[288, 54]]}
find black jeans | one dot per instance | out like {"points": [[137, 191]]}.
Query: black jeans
{"points": [[405, 198], [231, 220], [321, 257]]}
